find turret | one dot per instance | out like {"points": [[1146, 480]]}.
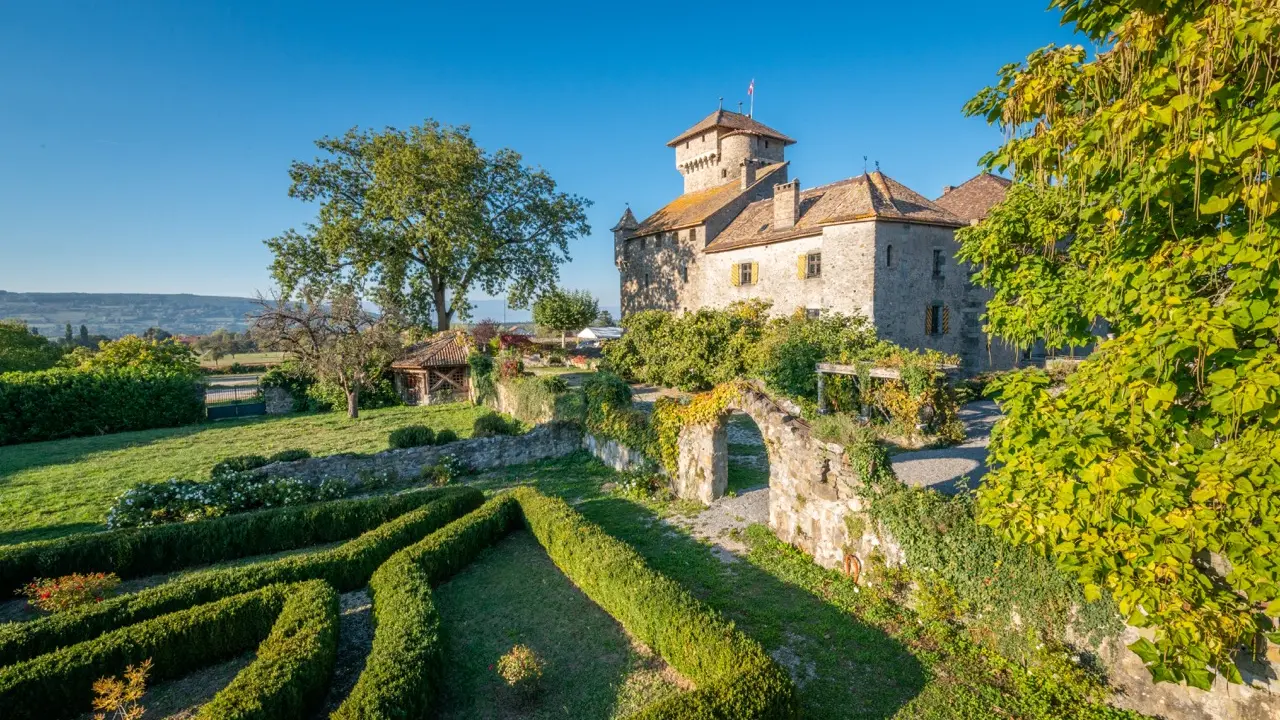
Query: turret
{"points": [[626, 225], [721, 148]]}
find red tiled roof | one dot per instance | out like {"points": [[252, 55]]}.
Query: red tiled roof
{"points": [[695, 207], [873, 196], [446, 350], [732, 121], [975, 198]]}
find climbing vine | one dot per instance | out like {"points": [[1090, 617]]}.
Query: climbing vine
{"points": [[1147, 184], [670, 416]]}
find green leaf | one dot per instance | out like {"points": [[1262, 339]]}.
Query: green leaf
{"points": [[1199, 678], [1144, 649], [1092, 592], [1215, 205]]}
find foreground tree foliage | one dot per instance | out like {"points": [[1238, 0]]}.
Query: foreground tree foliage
{"points": [[423, 216], [1146, 194], [332, 335], [22, 350]]}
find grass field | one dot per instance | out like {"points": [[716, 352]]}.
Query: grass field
{"points": [[54, 488], [243, 359], [512, 594]]}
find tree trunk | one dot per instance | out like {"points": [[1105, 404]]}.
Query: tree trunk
{"points": [[353, 402], [443, 313], [563, 334]]}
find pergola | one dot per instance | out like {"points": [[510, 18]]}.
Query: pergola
{"points": [[884, 373]]}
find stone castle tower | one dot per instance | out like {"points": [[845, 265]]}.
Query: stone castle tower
{"points": [[724, 146]]}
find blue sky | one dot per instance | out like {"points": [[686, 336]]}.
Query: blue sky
{"points": [[144, 147]]}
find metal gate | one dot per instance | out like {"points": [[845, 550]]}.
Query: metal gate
{"points": [[235, 401]]}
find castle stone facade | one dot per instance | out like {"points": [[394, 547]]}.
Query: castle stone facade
{"points": [[743, 230]]}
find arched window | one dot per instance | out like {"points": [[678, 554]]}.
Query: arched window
{"points": [[888, 256]]}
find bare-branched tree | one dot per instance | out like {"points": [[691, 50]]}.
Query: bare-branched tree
{"points": [[331, 333]]}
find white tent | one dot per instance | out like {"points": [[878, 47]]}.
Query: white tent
{"points": [[600, 333]]}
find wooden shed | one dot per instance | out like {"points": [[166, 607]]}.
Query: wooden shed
{"points": [[434, 371]]}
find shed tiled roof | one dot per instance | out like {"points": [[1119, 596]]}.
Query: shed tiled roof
{"points": [[873, 196], [732, 121], [694, 208], [444, 351], [975, 198]]}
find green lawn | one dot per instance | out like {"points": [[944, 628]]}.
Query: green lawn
{"points": [[54, 488], [514, 594], [854, 653]]}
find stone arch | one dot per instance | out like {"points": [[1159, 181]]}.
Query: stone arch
{"points": [[813, 492]]}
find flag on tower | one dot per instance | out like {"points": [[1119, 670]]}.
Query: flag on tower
{"points": [[751, 89]]}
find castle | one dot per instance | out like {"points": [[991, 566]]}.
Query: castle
{"points": [[869, 245]]}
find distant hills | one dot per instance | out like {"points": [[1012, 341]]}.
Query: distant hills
{"points": [[116, 314]]}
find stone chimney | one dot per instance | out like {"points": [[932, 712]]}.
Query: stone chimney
{"points": [[947, 188], [748, 173], [786, 204]]}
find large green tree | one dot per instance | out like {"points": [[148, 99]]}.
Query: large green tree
{"points": [[565, 311], [23, 350], [416, 219], [1146, 194]]}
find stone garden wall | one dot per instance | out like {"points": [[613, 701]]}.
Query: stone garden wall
{"points": [[545, 441], [615, 455]]}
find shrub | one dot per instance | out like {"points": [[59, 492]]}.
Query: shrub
{"points": [[553, 384], [446, 469], [289, 456], [120, 696], [238, 464], [510, 366], [137, 552], [446, 436], [521, 669], [295, 379], [70, 591], [411, 436], [229, 492], [640, 484], [62, 402], [604, 389], [58, 684], [482, 376], [346, 567], [492, 424]]}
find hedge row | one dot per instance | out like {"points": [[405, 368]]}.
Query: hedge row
{"points": [[291, 672], [735, 677], [137, 552], [346, 567], [304, 616], [61, 402], [403, 673]]}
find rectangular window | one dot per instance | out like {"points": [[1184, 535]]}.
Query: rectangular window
{"points": [[812, 313], [813, 265], [646, 281], [937, 320], [938, 260], [684, 273], [745, 276], [693, 235]]}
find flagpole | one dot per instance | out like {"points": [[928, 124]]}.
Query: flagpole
{"points": [[752, 111]]}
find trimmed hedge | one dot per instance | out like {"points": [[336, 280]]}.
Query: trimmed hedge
{"points": [[735, 677], [346, 567], [403, 673], [291, 672], [300, 619], [62, 403], [137, 552]]}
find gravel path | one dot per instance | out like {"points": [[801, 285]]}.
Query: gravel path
{"points": [[945, 469]]}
